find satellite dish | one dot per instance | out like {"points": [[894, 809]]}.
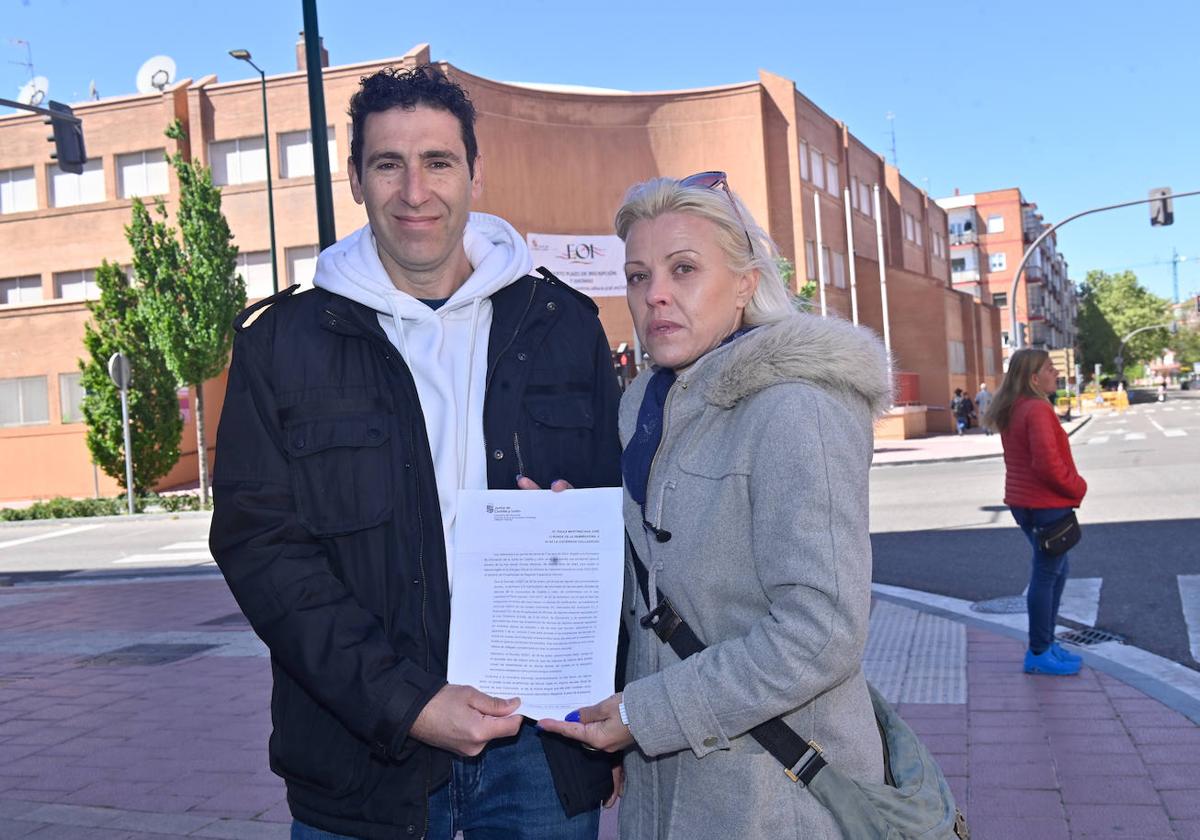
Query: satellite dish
{"points": [[156, 74], [35, 91]]}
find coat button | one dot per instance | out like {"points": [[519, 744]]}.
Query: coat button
{"points": [[521, 357], [299, 444], [372, 433], [710, 741], [498, 454], [551, 306], [412, 829]]}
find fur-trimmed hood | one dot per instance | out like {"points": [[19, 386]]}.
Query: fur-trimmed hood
{"points": [[827, 352]]}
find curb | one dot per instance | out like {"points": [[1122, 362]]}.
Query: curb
{"points": [[121, 517], [1175, 686], [958, 458]]}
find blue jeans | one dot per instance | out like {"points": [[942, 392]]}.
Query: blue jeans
{"points": [[1047, 579], [505, 793]]}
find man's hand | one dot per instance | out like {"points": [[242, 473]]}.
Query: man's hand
{"points": [[558, 485], [463, 720], [618, 774], [599, 726]]}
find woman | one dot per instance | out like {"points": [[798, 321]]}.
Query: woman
{"points": [[1041, 486], [746, 458]]}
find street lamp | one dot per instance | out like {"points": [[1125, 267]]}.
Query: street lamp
{"points": [[244, 55]]}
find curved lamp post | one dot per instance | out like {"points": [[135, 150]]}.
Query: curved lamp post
{"points": [[244, 55]]}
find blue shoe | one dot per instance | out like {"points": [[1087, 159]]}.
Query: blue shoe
{"points": [[1047, 663], [1065, 655]]}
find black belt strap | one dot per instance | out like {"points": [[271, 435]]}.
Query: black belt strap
{"points": [[801, 759]]}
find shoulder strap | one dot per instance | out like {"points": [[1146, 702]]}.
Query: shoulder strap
{"points": [[801, 759], [239, 323]]}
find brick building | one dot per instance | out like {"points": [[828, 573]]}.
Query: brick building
{"points": [[989, 233], [555, 161]]}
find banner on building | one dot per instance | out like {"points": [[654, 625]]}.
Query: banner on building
{"points": [[593, 265]]}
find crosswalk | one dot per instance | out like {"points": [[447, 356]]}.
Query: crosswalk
{"points": [[191, 553], [1165, 421]]}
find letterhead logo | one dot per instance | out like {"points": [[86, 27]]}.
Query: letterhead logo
{"points": [[491, 508]]}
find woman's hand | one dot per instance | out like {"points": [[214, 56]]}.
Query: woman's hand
{"points": [[558, 485], [598, 726], [618, 774]]}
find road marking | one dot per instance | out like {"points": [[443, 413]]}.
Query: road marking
{"points": [[1189, 594], [1154, 423], [1098, 439], [134, 559], [1135, 436], [64, 532], [1169, 409], [186, 546], [1174, 432], [1081, 600]]}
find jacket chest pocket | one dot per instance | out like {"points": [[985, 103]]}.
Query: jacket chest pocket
{"points": [[341, 468], [560, 432]]}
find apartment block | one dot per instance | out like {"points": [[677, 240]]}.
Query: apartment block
{"points": [[555, 161]]}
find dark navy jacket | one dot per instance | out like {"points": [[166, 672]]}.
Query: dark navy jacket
{"points": [[328, 530]]}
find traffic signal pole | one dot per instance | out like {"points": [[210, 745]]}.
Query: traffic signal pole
{"points": [[1014, 329]]}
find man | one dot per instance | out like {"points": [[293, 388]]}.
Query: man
{"points": [[961, 407], [983, 399], [426, 360]]}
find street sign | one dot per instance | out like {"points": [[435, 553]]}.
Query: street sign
{"points": [[119, 371]]}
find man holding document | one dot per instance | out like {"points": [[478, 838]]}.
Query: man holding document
{"points": [[367, 425]]}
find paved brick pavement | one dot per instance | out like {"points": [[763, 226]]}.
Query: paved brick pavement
{"points": [[104, 734]]}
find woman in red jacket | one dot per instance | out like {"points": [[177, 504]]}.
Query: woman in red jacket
{"points": [[1041, 486]]}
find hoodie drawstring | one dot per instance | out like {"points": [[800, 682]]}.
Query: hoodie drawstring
{"points": [[462, 441]]}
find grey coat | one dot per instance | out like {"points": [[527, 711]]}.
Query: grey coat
{"points": [[761, 479]]}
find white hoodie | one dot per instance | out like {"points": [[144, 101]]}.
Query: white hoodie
{"points": [[446, 349]]}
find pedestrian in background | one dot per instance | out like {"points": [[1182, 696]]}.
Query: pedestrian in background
{"points": [[983, 400], [962, 407], [1041, 486]]}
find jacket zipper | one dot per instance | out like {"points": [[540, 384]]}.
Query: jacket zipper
{"points": [[487, 386], [517, 449], [653, 461]]}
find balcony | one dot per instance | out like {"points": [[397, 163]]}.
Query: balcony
{"points": [[966, 275], [1034, 273], [967, 237]]}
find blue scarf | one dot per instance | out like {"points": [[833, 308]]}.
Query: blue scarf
{"points": [[639, 452]]}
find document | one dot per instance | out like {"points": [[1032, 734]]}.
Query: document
{"points": [[537, 596]]}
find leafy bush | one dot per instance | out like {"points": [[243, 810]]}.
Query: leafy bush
{"points": [[60, 507]]}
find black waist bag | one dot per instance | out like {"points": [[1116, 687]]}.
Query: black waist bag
{"points": [[916, 801], [1059, 537]]}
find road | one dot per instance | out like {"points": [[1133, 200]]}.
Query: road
{"points": [[942, 528]]}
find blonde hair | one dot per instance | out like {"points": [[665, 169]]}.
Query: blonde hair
{"points": [[650, 199], [1018, 382]]}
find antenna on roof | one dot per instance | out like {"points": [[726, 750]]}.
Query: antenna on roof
{"points": [[28, 62], [155, 74], [92, 92], [891, 118], [35, 91]]}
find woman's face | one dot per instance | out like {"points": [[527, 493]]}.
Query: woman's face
{"points": [[1045, 380], [681, 292]]}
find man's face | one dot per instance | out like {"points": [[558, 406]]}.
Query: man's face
{"points": [[417, 188]]}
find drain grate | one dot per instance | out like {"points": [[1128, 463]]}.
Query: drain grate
{"points": [[1090, 636], [1009, 604], [233, 619], [145, 655]]}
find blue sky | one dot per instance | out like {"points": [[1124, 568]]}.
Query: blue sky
{"points": [[1078, 103]]}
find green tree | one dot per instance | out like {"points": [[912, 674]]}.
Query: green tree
{"points": [[1110, 307], [1186, 344], [192, 291], [787, 273], [155, 425]]}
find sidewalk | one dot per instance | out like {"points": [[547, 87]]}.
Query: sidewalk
{"points": [[139, 709], [974, 445]]}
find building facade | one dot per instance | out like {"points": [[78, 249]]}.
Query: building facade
{"points": [[554, 162], [989, 233]]}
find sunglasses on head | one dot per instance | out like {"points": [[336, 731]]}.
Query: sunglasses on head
{"points": [[710, 181]]}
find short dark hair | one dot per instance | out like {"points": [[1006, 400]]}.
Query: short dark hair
{"points": [[423, 85]]}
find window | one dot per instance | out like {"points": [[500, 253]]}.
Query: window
{"points": [[76, 285], [995, 224], [810, 260], [804, 160], [854, 192], [908, 227], [296, 155], [21, 289], [1004, 339], [1000, 299], [241, 161], [18, 190], [839, 269], [958, 264], [831, 176], [24, 401], [70, 398], [917, 230], [989, 362], [825, 265], [865, 200], [958, 357], [67, 190], [997, 262], [255, 268], [302, 265], [142, 173], [939, 245], [818, 168]]}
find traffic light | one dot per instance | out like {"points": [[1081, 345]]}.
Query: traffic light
{"points": [[1162, 210], [67, 139]]}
